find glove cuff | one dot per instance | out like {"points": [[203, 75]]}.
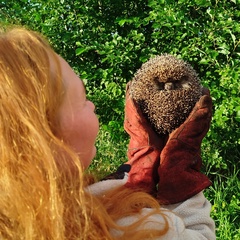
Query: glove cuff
{"points": [[175, 187]]}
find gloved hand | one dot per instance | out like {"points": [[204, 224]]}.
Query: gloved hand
{"points": [[144, 148], [180, 160]]}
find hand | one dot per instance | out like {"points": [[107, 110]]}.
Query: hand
{"points": [[144, 148], [180, 160]]}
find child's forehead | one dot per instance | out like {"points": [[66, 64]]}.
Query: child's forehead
{"points": [[70, 79]]}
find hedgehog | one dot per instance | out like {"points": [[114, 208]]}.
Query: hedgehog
{"points": [[166, 89]]}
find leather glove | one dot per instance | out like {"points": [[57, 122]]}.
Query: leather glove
{"points": [[144, 148], [180, 160]]}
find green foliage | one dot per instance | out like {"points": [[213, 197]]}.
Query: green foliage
{"points": [[107, 41], [111, 154], [225, 196]]}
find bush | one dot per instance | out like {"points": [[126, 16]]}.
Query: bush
{"points": [[107, 41]]}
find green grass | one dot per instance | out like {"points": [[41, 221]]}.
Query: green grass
{"points": [[225, 198], [224, 194], [111, 153]]}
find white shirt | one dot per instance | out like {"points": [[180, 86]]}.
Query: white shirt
{"points": [[188, 220]]}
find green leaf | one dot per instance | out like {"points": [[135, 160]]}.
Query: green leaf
{"points": [[233, 37], [204, 61], [79, 51], [121, 22]]}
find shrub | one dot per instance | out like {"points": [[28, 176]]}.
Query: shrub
{"points": [[107, 41]]}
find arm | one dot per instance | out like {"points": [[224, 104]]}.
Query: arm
{"points": [[175, 167], [181, 182], [180, 160], [188, 220], [144, 148], [195, 214], [178, 163]]}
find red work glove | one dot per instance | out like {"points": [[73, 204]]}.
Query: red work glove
{"points": [[144, 148], [180, 160]]}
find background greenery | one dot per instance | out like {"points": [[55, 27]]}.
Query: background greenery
{"points": [[106, 41]]}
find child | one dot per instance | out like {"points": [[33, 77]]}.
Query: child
{"points": [[48, 130]]}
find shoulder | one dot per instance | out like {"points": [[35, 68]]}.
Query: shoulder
{"points": [[163, 220], [187, 220], [190, 225], [99, 188]]}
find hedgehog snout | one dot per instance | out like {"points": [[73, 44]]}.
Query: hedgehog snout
{"points": [[169, 86]]}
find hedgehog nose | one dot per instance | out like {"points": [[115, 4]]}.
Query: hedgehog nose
{"points": [[168, 86]]}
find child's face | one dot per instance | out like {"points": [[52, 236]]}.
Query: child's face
{"points": [[78, 123]]}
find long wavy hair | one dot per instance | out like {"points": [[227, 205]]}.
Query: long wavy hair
{"points": [[41, 196]]}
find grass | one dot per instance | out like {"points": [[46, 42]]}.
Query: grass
{"points": [[225, 198], [224, 194], [111, 153]]}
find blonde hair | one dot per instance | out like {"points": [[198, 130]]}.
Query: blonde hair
{"points": [[38, 199]]}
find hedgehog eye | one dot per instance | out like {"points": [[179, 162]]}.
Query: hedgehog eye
{"points": [[184, 79], [184, 82], [177, 85], [160, 85], [170, 79]]}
